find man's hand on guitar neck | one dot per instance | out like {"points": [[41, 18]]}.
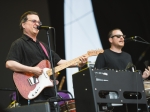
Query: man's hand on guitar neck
{"points": [[83, 60]]}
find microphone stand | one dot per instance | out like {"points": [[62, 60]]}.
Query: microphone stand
{"points": [[142, 42], [135, 40], [53, 99]]}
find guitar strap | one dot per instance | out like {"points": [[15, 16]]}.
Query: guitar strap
{"points": [[44, 49]]}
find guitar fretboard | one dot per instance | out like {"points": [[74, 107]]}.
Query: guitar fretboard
{"points": [[63, 66]]}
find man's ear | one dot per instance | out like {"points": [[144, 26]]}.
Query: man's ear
{"points": [[110, 40], [23, 25]]}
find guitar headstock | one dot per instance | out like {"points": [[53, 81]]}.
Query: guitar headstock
{"points": [[95, 52]]}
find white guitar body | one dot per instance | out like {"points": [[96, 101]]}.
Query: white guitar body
{"points": [[42, 82]]}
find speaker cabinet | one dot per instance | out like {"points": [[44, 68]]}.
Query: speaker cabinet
{"points": [[101, 90], [39, 107]]}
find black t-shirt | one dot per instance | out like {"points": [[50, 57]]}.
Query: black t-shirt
{"points": [[28, 52], [113, 60]]}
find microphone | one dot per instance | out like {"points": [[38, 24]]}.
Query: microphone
{"points": [[131, 39], [44, 27]]}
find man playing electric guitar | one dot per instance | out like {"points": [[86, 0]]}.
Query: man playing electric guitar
{"points": [[27, 52]]}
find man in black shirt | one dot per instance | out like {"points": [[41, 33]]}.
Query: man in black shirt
{"points": [[26, 52], [114, 57]]}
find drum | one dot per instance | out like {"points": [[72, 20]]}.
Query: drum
{"points": [[147, 88], [68, 106]]}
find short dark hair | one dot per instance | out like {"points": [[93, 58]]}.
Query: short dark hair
{"points": [[24, 18], [110, 32]]}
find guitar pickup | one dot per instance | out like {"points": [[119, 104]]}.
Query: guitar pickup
{"points": [[33, 80]]}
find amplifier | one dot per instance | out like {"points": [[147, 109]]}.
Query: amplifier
{"points": [[100, 88]]}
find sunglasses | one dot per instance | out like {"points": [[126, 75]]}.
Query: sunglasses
{"points": [[118, 36]]}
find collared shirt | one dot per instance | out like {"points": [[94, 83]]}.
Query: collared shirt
{"points": [[28, 52]]}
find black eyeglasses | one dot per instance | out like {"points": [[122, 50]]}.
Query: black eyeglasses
{"points": [[118, 36], [35, 21]]}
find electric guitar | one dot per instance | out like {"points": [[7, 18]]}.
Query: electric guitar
{"points": [[30, 86]]}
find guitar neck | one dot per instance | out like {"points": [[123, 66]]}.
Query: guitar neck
{"points": [[63, 66]]}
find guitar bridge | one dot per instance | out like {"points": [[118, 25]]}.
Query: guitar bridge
{"points": [[33, 80]]}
